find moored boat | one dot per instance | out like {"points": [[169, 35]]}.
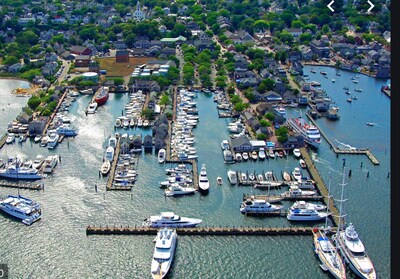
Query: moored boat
{"points": [[171, 220], [27, 210], [309, 132], [258, 206], [204, 183], [164, 252], [102, 95], [176, 189], [105, 167], [219, 180], [92, 108], [161, 155], [232, 177]]}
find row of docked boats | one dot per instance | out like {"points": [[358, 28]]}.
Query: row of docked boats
{"points": [[133, 110], [109, 155], [179, 181], [182, 138]]}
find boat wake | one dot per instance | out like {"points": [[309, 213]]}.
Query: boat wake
{"points": [[319, 160], [345, 145]]}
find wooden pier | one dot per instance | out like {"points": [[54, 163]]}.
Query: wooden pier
{"points": [[337, 150], [50, 120], [139, 230], [22, 185], [3, 140], [321, 186], [110, 185]]}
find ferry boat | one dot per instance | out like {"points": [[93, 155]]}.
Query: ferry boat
{"points": [[164, 251], [353, 251], [204, 183], [16, 172], [102, 95], [22, 208], [309, 132], [258, 206], [328, 254], [171, 220], [50, 163], [232, 177]]}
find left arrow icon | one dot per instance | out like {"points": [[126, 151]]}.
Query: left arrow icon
{"points": [[329, 6]]}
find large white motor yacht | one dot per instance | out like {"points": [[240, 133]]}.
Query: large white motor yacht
{"points": [[164, 252], [171, 220], [204, 183], [258, 206], [353, 252]]}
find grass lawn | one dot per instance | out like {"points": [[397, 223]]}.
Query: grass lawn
{"points": [[121, 69]]}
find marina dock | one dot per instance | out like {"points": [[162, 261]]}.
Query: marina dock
{"points": [[111, 174], [321, 186], [337, 150], [50, 120], [22, 185], [285, 198], [138, 230]]}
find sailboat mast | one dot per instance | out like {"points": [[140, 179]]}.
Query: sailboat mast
{"points": [[341, 203], [327, 205]]}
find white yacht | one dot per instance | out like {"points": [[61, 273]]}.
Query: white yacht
{"points": [[261, 153], [161, 155], [309, 132], [238, 157], [52, 140], [297, 174], [176, 189], [204, 183], [228, 156], [10, 138], [225, 144], [112, 141], [353, 252], [296, 152], [258, 206], [15, 172], [294, 191], [22, 208], [50, 163], [304, 204], [328, 254], [245, 156], [305, 183], [171, 220], [37, 138], [306, 214], [232, 177], [92, 108], [109, 156], [105, 167], [164, 252], [280, 110]]}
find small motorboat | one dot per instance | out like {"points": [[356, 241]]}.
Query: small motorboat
{"points": [[219, 180], [302, 163], [349, 100], [370, 124], [245, 156]]}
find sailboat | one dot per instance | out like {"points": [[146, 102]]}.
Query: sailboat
{"points": [[326, 251]]}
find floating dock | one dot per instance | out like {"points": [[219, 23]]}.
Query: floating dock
{"points": [[365, 151], [50, 120], [138, 230], [22, 185]]}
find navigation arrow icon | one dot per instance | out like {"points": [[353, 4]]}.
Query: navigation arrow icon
{"points": [[372, 6], [330, 4]]}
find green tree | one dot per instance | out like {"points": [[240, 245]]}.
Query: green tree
{"points": [[10, 60], [164, 100], [270, 116], [34, 102], [261, 136]]}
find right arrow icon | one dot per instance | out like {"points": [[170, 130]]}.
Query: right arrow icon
{"points": [[372, 6]]}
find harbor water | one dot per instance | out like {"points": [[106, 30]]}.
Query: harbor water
{"points": [[57, 245]]}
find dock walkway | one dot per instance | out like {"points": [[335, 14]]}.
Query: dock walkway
{"points": [[138, 230], [22, 185], [50, 120], [111, 175], [365, 151]]}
